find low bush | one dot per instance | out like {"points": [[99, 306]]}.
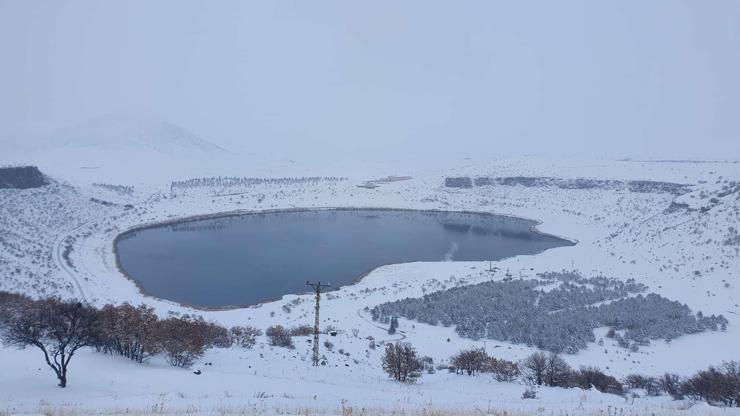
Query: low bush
{"points": [[184, 340], [592, 377], [549, 370], [129, 331], [529, 393], [638, 381], [502, 370], [469, 361], [717, 386], [279, 336], [244, 336], [301, 330], [671, 384]]}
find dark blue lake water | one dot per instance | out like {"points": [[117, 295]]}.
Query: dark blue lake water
{"points": [[247, 259]]}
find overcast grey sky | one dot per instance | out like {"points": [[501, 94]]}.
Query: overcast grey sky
{"points": [[633, 78]]}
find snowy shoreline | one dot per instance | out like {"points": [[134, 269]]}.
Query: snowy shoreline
{"points": [[238, 213]]}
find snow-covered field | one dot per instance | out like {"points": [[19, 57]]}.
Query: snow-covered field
{"points": [[58, 240]]}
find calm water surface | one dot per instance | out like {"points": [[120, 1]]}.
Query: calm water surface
{"points": [[251, 258]]}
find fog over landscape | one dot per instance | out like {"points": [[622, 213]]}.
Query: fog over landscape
{"points": [[385, 79]]}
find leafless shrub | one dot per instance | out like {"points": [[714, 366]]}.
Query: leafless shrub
{"points": [[534, 368], [401, 363], [639, 381], [279, 336], [184, 340], [588, 377], [301, 330], [502, 370], [244, 336], [128, 331], [716, 386], [469, 361]]}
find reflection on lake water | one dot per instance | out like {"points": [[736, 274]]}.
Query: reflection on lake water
{"points": [[247, 259]]}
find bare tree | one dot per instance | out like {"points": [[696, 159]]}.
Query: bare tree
{"points": [[716, 386], [279, 336], [183, 340], [244, 336], [56, 328], [639, 381], [503, 370], [534, 367], [671, 384], [401, 363], [557, 371], [470, 361], [128, 331]]}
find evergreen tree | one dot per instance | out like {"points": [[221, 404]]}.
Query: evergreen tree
{"points": [[394, 325]]}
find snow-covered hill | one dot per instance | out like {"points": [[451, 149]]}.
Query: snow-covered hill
{"points": [[116, 132], [123, 149], [58, 240]]}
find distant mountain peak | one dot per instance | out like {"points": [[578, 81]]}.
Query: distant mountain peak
{"points": [[121, 131]]}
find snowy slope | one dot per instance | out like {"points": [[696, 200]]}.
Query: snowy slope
{"points": [[115, 132], [659, 239], [121, 149]]}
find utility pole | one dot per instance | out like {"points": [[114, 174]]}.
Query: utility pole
{"points": [[317, 288]]}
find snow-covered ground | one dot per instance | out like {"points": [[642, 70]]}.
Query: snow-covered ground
{"points": [[58, 240]]}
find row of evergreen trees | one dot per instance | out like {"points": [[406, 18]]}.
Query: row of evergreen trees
{"points": [[119, 189], [558, 320], [232, 181], [583, 183]]}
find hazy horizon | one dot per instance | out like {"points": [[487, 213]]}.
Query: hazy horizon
{"points": [[652, 80]]}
